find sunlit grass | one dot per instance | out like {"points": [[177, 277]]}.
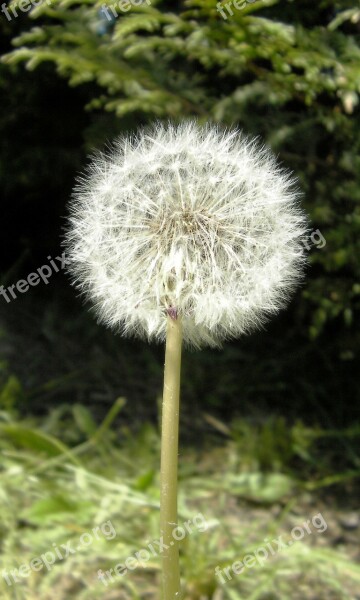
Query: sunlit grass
{"points": [[52, 492]]}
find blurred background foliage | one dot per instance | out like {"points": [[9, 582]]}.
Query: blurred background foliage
{"points": [[267, 420]]}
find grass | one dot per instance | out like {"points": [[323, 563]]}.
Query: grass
{"points": [[63, 476]]}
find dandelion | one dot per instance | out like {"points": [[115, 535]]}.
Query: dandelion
{"points": [[185, 233]]}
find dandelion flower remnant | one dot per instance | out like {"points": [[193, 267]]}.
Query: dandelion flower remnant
{"points": [[185, 233], [186, 220]]}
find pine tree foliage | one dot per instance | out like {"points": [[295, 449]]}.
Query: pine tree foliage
{"points": [[286, 70]]}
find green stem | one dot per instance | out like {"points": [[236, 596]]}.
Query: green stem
{"points": [[169, 459]]}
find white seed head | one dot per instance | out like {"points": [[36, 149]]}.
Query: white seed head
{"points": [[188, 220]]}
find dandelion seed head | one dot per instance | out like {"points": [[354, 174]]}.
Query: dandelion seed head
{"points": [[190, 221]]}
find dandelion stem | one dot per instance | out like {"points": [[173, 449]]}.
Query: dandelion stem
{"points": [[169, 459]]}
